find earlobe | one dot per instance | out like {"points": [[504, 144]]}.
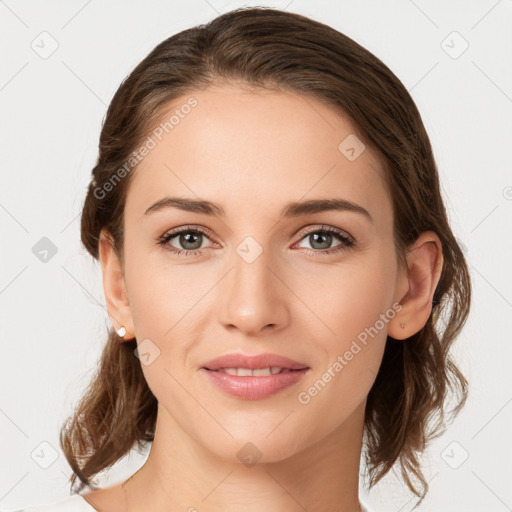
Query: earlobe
{"points": [[425, 263], [116, 297]]}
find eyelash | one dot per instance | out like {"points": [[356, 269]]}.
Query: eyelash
{"points": [[347, 241]]}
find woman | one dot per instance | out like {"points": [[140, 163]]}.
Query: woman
{"points": [[276, 261]]}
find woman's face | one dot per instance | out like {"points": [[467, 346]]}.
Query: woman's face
{"points": [[259, 278]]}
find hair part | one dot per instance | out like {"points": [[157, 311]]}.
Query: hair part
{"points": [[272, 49]]}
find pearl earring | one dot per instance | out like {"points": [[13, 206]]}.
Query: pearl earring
{"points": [[121, 332]]}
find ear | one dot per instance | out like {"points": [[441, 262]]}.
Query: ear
{"points": [[118, 304], [417, 286]]}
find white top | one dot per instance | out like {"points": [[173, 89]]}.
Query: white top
{"points": [[77, 503]]}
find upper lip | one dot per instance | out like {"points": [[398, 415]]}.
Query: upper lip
{"points": [[253, 362]]}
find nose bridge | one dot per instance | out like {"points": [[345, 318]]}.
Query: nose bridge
{"points": [[251, 295]]}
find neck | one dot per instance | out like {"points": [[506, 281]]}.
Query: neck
{"points": [[181, 474]]}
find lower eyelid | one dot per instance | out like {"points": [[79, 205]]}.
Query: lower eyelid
{"points": [[343, 245]]}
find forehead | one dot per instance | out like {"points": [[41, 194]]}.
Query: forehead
{"points": [[256, 149]]}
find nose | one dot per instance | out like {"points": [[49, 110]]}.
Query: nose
{"points": [[253, 295]]}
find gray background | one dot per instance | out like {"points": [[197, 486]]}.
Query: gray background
{"points": [[53, 319]]}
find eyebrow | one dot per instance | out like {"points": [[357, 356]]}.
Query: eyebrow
{"points": [[294, 209]]}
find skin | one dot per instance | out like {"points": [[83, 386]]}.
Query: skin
{"points": [[253, 151]]}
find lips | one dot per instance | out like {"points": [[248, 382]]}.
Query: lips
{"points": [[260, 361], [253, 377]]}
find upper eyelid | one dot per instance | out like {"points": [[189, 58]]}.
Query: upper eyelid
{"points": [[330, 229], [185, 229]]}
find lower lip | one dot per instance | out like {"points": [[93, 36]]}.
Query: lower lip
{"points": [[254, 388]]}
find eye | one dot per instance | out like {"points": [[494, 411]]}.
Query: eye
{"points": [[322, 238], [190, 239]]}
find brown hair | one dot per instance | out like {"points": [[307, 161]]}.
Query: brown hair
{"points": [[269, 48]]}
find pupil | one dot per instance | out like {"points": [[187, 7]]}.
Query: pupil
{"points": [[314, 240], [185, 239]]}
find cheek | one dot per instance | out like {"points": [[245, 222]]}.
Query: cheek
{"points": [[352, 304], [347, 298], [351, 351], [162, 294], [165, 302]]}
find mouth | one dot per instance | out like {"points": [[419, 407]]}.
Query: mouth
{"points": [[253, 377], [261, 364], [256, 372]]}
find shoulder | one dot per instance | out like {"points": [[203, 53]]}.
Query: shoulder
{"points": [[364, 507], [75, 503]]}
